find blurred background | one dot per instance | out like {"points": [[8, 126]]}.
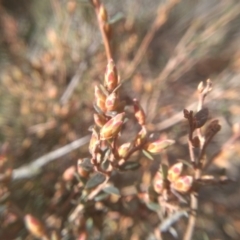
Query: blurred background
{"points": [[51, 56]]}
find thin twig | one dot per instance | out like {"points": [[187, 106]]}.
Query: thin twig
{"points": [[169, 122], [33, 169], [197, 164], [192, 219]]}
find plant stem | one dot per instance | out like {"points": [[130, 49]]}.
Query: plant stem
{"points": [[192, 219], [106, 40]]}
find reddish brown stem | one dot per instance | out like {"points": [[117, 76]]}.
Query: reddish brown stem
{"points": [[106, 40]]}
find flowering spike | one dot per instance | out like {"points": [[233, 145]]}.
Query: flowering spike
{"points": [[123, 150], [112, 127], [111, 76], [111, 102], [175, 171], [158, 145], [139, 113], [34, 226], [183, 184], [100, 98], [158, 183]]}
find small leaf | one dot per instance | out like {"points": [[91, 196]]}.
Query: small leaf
{"points": [[147, 155], [101, 196], [115, 18], [201, 117], [105, 164], [153, 206], [129, 166], [112, 190], [86, 164], [95, 180]]}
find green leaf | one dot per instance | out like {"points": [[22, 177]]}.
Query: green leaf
{"points": [[95, 180], [117, 17], [86, 164], [147, 155], [105, 164], [101, 196], [153, 206], [129, 166], [112, 190]]}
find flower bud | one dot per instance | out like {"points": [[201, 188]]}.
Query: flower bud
{"points": [[158, 183], [111, 76], [100, 98], [99, 119], [93, 142], [196, 142], [141, 137], [124, 149], [175, 171], [68, 174], [34, 226], [158, 145], [111, 102], [183, 184], [103, 13], [112, 127], [139, 113]]}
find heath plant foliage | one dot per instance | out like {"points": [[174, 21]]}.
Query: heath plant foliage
{"points": [[172, 191]]}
